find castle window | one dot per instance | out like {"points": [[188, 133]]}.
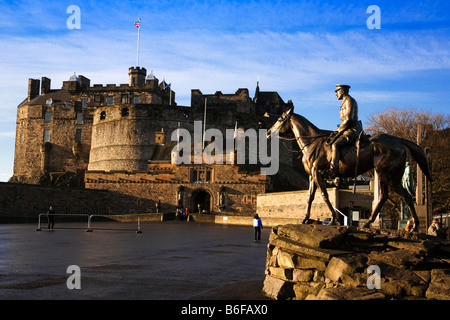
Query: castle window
{"points": [[67, 104], [136, 99], [83, 103], [46, 135], [21, 137], [79, 118], [78, 135], [48, 117], [98, 98], [125, 98], [201, 175], [103, 115], [125, 112], [249, 199], [110, 101]]}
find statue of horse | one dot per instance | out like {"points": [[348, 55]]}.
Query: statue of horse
{"points": [[383, 152]]}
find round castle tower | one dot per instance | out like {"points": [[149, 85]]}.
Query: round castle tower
{"points": [[122, 138]]}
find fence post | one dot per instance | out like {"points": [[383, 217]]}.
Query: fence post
{"points": [[89, 224], [39, 223], [139, 226]]}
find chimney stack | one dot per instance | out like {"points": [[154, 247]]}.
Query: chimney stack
{"points": [[45, 85], [33, 88]]}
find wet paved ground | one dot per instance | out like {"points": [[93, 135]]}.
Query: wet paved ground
{"points": [[168, 260]]}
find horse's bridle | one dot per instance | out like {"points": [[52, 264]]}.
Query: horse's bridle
{"points": [[297, 139]]}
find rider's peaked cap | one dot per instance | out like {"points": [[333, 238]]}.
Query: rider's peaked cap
{"points": [[342, 86]]}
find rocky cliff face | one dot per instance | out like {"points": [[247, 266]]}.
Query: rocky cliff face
{"points": [[316, 262]]}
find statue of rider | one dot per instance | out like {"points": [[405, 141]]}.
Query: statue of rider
{"points": [[349, 130]]}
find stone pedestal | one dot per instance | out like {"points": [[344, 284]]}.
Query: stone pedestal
{"points": [[316, 262]]}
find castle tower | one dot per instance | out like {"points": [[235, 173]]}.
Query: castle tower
{"points": [[136, 76]]}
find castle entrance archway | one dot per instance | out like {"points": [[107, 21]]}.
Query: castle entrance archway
{"points": [[200, 201]]}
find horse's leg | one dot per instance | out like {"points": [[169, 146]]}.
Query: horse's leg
{"points": [[398, 188], [320, 181], [384, 196], [311, 194]]}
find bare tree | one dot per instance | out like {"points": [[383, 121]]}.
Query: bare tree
{"points": [[403, 123]]}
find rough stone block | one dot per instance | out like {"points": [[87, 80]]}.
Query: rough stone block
{"points": [[281, 273], [346, 293], [402, 259], [278, 289], [418, 247], [303, 262], [319, 236], [349, 264], [285, 259], [292, 246], [440, 285], [299, 275]]}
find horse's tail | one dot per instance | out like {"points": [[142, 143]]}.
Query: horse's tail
{"points": [[419, 155]]}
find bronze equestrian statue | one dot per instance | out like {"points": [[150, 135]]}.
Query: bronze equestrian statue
{"points": [[383, 152]]}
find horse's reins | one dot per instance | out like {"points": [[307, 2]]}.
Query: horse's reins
{"points": [[297, 139]]}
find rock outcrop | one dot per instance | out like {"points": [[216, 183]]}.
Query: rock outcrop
{"points": [[317, 262]]}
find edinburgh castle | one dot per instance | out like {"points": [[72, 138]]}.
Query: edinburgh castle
{"points": [[116, 140]]}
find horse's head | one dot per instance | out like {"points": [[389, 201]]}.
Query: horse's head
{"points": [[282, 124]]}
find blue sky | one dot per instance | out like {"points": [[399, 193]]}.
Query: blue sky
{"points": [[299, 48]]}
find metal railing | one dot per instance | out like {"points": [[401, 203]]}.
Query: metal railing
{"points": [[89, 220], [89, 229], [57, 214]]}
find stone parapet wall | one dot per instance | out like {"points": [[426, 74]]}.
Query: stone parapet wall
{"points": [[293, 204], [315, 262]]}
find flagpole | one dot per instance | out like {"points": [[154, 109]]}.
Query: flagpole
{"points": [[204, 123], [139, 30], [235, 136]]}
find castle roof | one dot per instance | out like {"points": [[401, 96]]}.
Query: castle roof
{"points": [[269, 98], [162, 152], [57, 96]]}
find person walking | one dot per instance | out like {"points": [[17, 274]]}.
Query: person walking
{"points": [[51, 218], [257, 225]]}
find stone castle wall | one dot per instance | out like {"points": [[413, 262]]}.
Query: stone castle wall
{"points": [[34, 157], [163, 186], [26, 200]]}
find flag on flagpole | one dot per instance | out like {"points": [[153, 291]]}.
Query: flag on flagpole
{"points": [[138, 24], [168, 86]]}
